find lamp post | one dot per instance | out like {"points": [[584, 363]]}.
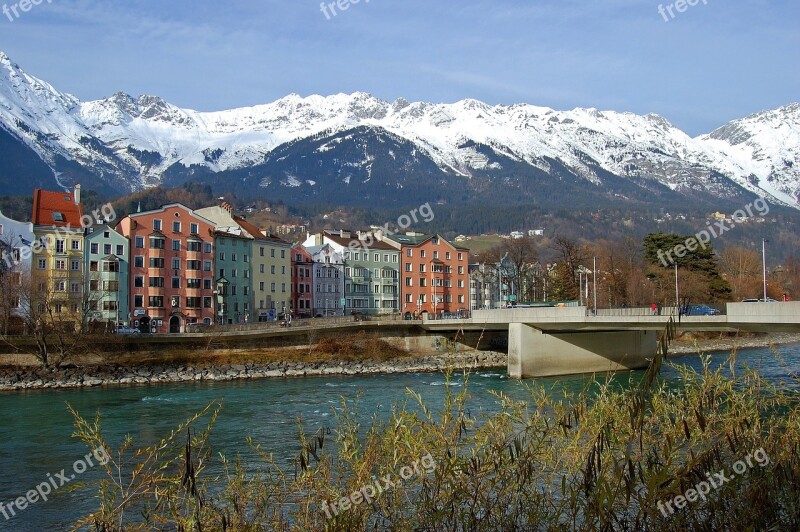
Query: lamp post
{"points": [[764, 264], [677, 292], [594, 285]]}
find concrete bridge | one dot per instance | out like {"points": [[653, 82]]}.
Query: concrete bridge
{"points": [[569, 340]]}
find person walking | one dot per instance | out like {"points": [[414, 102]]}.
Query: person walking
{"points": [[653, 309]]}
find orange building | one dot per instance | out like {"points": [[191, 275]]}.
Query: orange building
{"points": [[434, 273], [171, 269]]}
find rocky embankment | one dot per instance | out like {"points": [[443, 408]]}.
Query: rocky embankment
{"points": [[87, 376]]}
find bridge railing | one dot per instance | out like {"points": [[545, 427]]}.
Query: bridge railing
{"points": [[296, 322], [635, 311]]}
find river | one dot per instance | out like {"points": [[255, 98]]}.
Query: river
{"points": [[35, 436]]}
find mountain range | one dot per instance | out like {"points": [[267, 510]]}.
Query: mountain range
{"points": [[356, 149]]}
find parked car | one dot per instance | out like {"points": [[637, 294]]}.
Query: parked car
{"points": [[127, 330], [701, 310]]}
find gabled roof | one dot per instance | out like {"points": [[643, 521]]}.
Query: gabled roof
{"points": [[258, 233], [376, 244], [56, 209]]}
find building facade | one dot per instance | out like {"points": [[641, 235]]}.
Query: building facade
{"points": [[107, 282], [328, 281], [172, 268], [372, 270], [16, 255], [435, 274], [271, 272], [57, 275], [302, 283]]}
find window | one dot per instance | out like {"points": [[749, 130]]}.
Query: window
{"points": [[206, 284], [193, 284], [194, 246], [138, 261], [120, 250], [156, 302], [138, 301], [138, 282], [272, 270], [447, 255], [176, 264], [409, 252], [59, 246], [193, 265], [233, 257], [246, 258], [75, 265], [460, 256], [157, 242], [272, 253], [176, 245], [58, 216], [409, 281], [261, 286], [156, 282], [194, 228], [139, 242], [435, 255], [272, 287], [61, 264], [207, 302], [207, 247], [461, 270], [156, 225], [94, 248], [42, 264], [421, 268], [261, 251], [283, 253], [283, 271], [94, 266], [422, 253], [75, 288], [377, 257], [408, 266], [61, 286], [193, 302], [106, 249], [435, 241], [176, 227], [221, 255], [207, 266], [283, 287], [176, 282], [156, 262], [261, 268], [110, 306]]}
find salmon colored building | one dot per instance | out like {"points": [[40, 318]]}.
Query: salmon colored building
{"points": [[434, 273], [171, 269]]}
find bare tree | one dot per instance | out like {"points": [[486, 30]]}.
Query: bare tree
{"points": [[741, 267]]}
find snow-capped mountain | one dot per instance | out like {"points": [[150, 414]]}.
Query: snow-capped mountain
{"points": [[351, 148]]}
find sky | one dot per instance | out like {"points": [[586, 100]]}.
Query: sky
{"points": [[699, 67]]}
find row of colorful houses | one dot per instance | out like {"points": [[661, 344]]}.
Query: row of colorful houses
{"points": [[162, 270]]}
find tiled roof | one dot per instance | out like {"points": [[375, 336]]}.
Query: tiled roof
{"points": [[56, 209], [376, 244], [256, 232]]}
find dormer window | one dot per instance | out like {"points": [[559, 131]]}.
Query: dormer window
{"points": [[58, 216]]}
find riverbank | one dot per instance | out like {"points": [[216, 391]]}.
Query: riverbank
{"points": [[104, 375], [691, 344]]}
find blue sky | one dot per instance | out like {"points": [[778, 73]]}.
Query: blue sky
{"points": [[712, 63]]}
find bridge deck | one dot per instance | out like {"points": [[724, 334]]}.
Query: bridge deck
{"points": [[752, 317]]}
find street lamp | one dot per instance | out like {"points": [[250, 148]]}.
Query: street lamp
{"points": [[594, 285], [677, 293], [764, 264]]}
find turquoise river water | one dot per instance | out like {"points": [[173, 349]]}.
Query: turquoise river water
{"points": [[35, 433]]}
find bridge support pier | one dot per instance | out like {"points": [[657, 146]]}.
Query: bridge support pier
{"points": [[532, 353]]}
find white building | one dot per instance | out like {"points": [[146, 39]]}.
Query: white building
{"points": [[16, 254]]}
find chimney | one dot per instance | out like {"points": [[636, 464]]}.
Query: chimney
{"points": [[227, 206], [76, 194]]}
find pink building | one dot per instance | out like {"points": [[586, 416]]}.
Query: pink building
{"points": [[302, 283], [171, 269]]}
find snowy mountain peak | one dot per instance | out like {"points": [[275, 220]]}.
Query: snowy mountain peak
{"points": [[139, 141]]}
